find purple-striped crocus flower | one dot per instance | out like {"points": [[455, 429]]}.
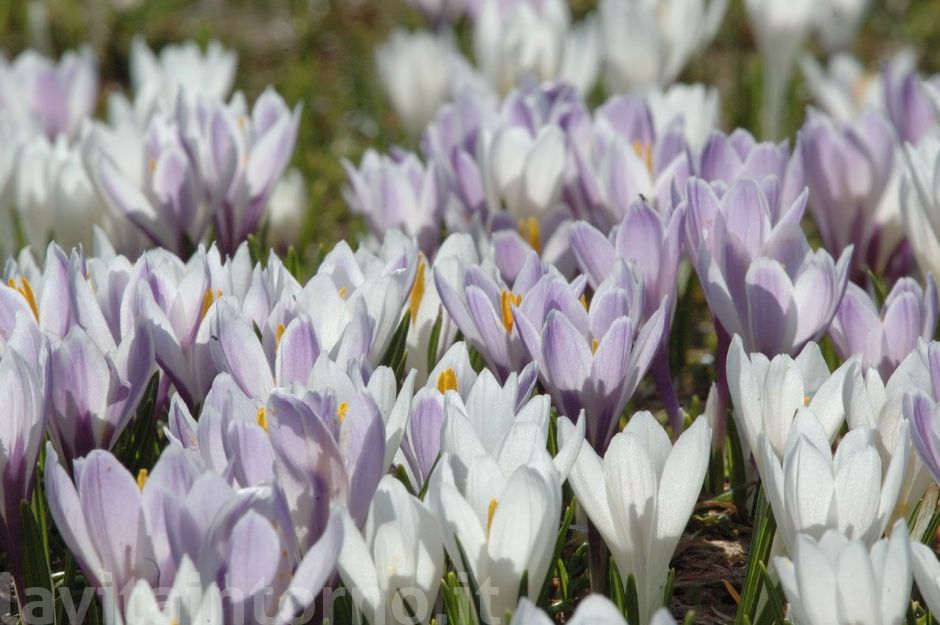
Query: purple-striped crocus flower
{"points": [[397, 192], [848, 169], [239, 157], [619, 159], [761, 279], [653, 244], [885, 338], [590, 357], [480, 303], [906, 102], [22, 363], [923, 412], [57, 97]]}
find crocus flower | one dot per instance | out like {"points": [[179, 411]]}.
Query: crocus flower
{"points": [[767, 394], [848, 169], [640, 496], [884, 338], [695, 108], [590, 357], [480, 305], [158, 79], [53, 195], [781, 30], [94, 389], [842, 581], [517, 40], [158, 190], [647, 44], [21, 382], [653, 244], [501, 529], [419, 72], [592, 610], [624, 158], [905, 98], [813, 490], [57, 97], [102, 518], [421, 444], [760, 277], [240, 157], [397, 192], [876, 404], [844, 89], [394, 566], [503, 422], [187, 604]]}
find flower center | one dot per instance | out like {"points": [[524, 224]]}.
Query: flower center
{"points": [[447, 380], [142, 478], [341, 411], [645, 152], [208, 299], [261, 417], [490, 513]]}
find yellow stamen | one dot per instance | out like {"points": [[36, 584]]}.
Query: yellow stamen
{"points": [[208, 299], [806, 399], [447, 380], [506, 301], [278, 335], [594, 344], [645, 152], [152, 164], [341, 411], [342, 292], [490, 512], [583, 300], [26, 290], [142, 478], [417, 291], [530, 231], [262, 418]]}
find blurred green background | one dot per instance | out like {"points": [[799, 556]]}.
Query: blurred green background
{"points": [[321, 53]]}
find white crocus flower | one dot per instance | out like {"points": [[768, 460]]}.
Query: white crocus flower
{"points": [[157, 80], [499, 528], [188, 603], [53, 194], [869, 402], [424, 303], [838, 581], [505, 423], [640, 497], [593, 610], [927, 573], [522, 173], [920, 202], [517, 40], [844, 88], [813, 490], [393, 568], [781, 29], [648, 43], [417, 71], [768, 393], [697, 105]]}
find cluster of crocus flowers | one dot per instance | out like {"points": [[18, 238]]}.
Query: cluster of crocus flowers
{"points": [[436, 419]]}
